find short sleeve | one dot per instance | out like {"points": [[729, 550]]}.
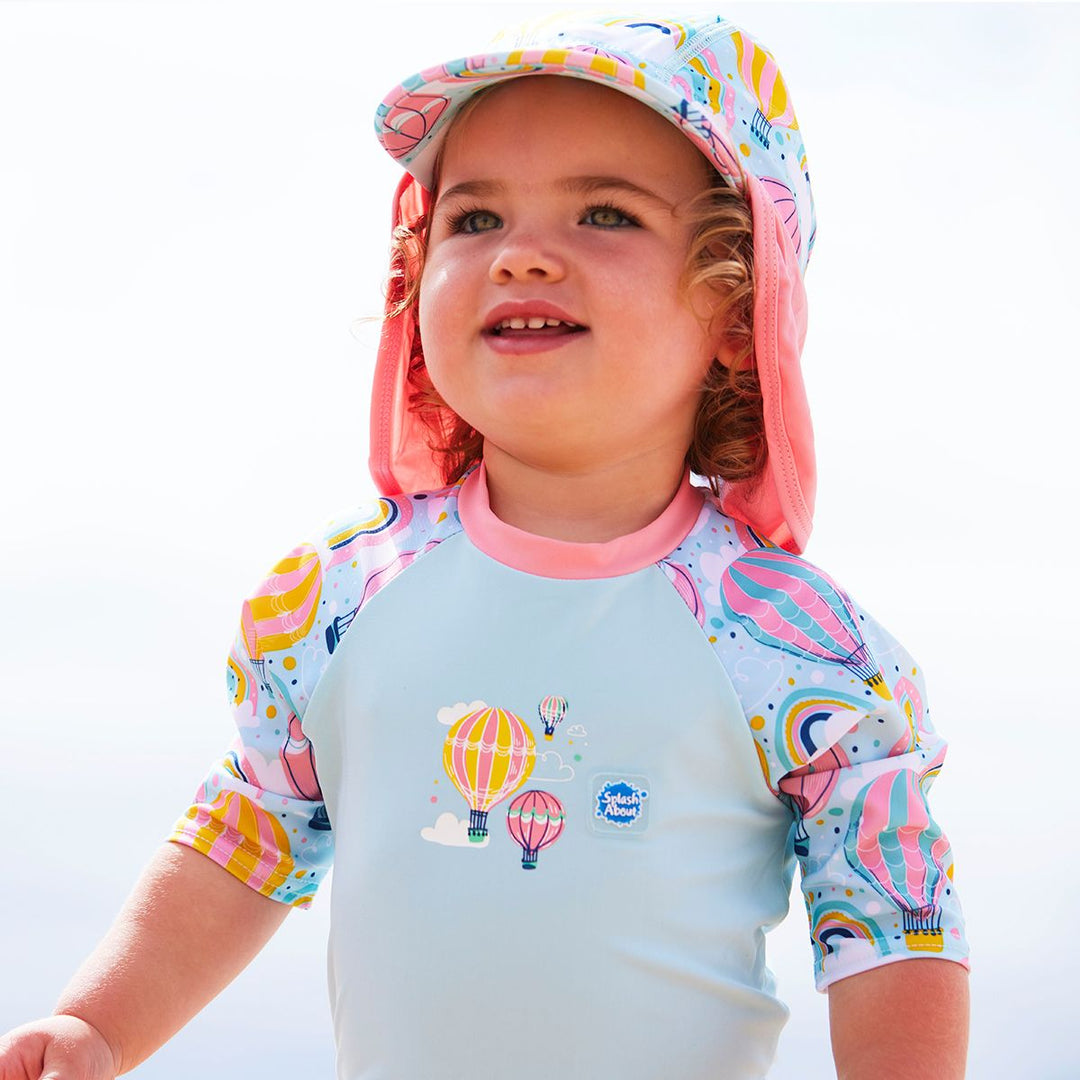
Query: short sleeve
{"points": [[839, 715], [259, 812]]}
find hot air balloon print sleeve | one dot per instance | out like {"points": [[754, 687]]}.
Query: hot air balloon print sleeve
{"points": [[260, 812], [838, 713]]}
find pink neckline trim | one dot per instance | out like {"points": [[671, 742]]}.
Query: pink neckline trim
{"points": [[544, 557]]}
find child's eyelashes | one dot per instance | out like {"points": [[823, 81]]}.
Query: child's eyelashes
{"points": [[473, 220], [609, 217]]}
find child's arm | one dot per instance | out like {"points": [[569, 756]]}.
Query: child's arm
{"points": [[903, 1021], [185, 932]]}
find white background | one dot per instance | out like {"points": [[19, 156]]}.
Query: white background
{"points": [[193, 216]]}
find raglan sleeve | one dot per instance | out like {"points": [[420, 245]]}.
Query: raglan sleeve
{"points": [[839, 714], [259, 812]]}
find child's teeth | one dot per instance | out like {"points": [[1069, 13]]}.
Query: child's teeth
{"points": [[533, 322]]}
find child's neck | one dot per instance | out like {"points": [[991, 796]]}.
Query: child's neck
{"points": [[591, 505]]}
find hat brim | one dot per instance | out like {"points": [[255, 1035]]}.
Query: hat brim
{"points": [[413, 119]]}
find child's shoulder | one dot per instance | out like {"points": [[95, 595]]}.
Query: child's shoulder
{"points": [[316, 589], [735, 577], [389, 523]]}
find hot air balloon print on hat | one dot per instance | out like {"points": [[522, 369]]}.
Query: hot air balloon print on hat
{"points": [[283, 610], [894, 844], [552, 709], [788, 604], [407, 124], [762, 78], [535, 820], [488, 754]]}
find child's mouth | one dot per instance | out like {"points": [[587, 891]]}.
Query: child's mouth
{"points": [[536, 324]]}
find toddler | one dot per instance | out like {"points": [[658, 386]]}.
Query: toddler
{"points": [[565, 704]]}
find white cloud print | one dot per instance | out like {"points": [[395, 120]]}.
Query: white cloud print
{"points": [[450, 831], [451, 714], [552, 769], [576, 731]]}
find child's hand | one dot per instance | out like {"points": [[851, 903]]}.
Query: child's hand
{"points": [[56, 1048]]}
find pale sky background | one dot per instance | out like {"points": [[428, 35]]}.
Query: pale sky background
{"points": [[193, 215]]}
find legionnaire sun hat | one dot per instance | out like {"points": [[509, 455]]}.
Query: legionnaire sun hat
{"points": [[724, 91]]}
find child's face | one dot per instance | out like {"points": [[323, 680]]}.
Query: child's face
{"points": [[557, 204]]}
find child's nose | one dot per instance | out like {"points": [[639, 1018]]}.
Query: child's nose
{"points": [[526, 258]]}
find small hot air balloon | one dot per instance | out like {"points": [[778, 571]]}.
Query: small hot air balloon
{"points": [[535, 820], [297, 755], [786, 207], [408, 123], [283, 610], [808, 790], [298, 758], [900, 850], [762, 78], [488, 754], [683, 581], [909, 698], [552, 709], [788, 604]]}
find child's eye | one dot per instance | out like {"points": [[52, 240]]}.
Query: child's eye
{"points": [[475, 221], [607, 217]]}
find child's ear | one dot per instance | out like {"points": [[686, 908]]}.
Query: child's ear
{"points": [[726, 353]]}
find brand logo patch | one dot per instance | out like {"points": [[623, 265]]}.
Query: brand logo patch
{"points": [[620, 803]]}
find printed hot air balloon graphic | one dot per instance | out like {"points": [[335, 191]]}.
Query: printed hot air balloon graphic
{"points": [[762, 78], [552, 710], [786, 208], [535, 820], [488, 754], [264, 860], [335, 631], [900, 850], [929, 772], [408, 123], [298, 758], [909, 698], [283, 610], [808, 791], [297, 755], [683, 581], [788, 604]]}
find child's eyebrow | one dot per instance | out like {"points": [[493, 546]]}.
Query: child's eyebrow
{"points": [[575, 185]]}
